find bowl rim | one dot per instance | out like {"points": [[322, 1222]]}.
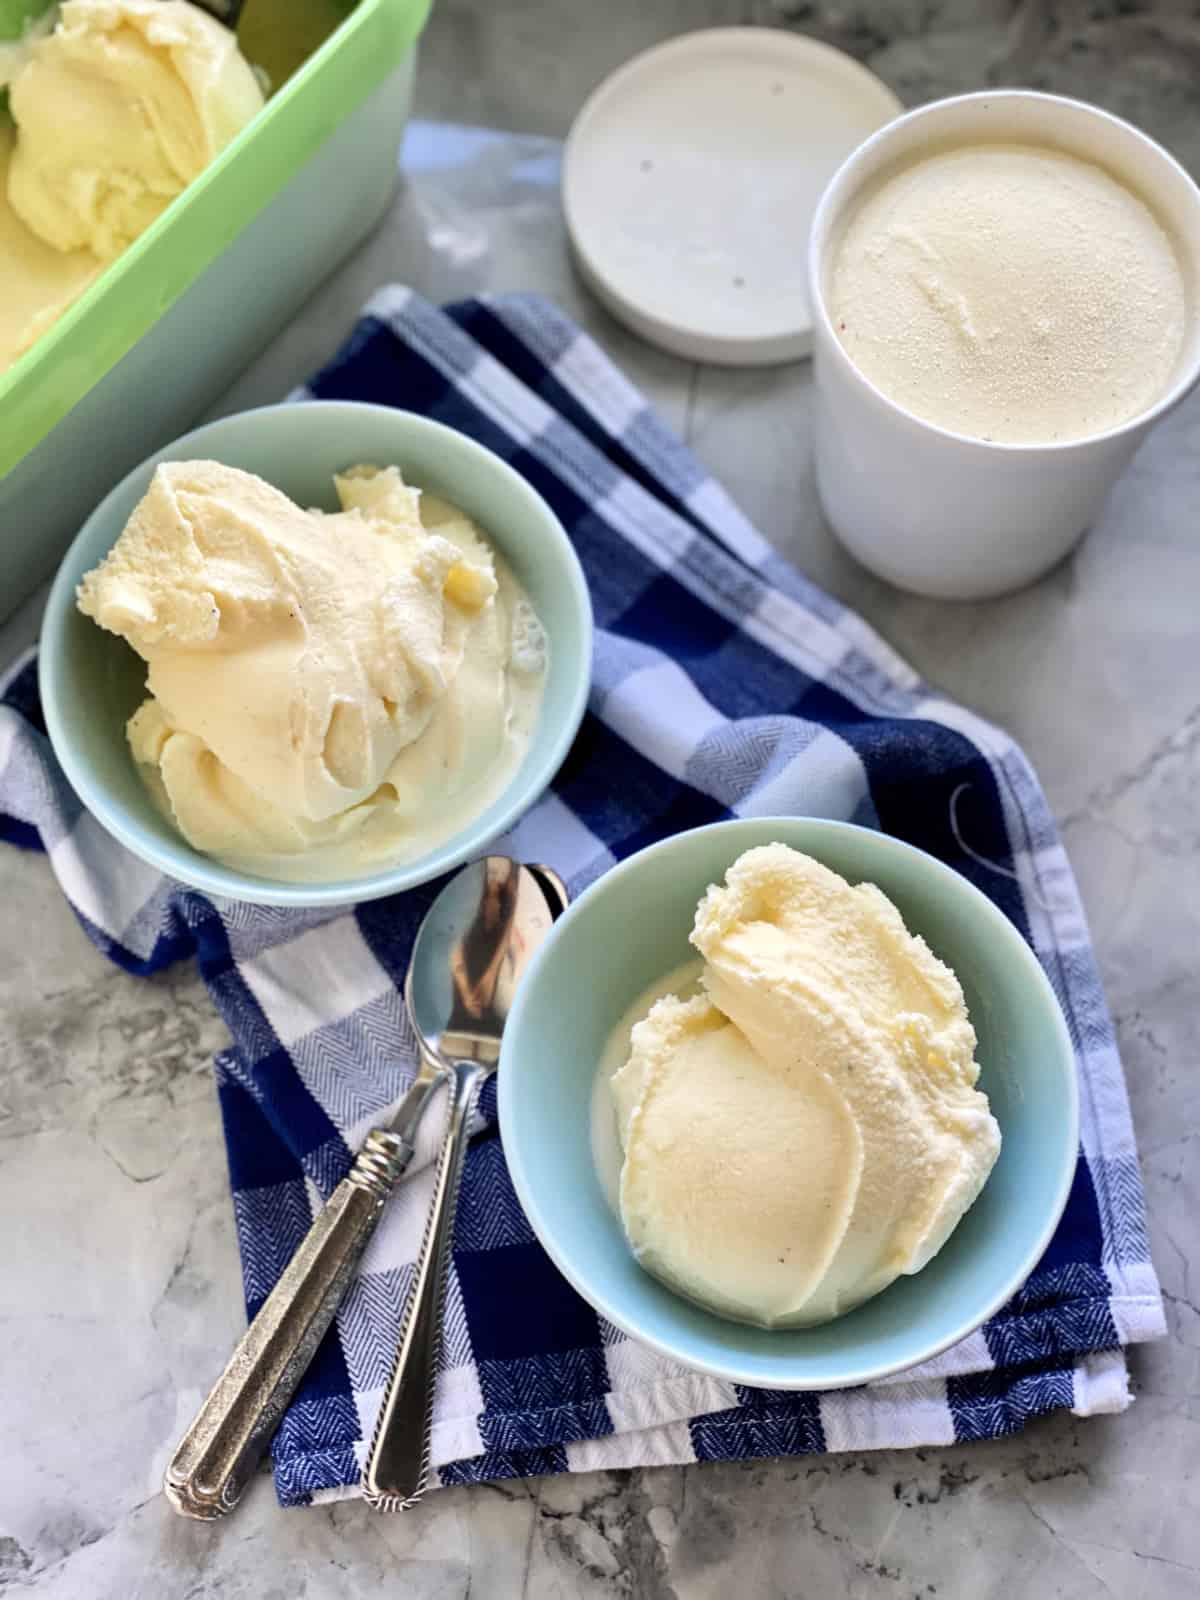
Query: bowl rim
{"points": [[214, 878], [539, 1215]]}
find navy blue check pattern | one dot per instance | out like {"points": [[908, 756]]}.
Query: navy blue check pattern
{"points": [[724, 684]]}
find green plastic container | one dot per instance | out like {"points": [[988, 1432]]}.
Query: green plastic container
{"points": [[164, 330]]}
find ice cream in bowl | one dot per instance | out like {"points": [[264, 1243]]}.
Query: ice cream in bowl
{"points": [[315, 654], [815, 1118]]}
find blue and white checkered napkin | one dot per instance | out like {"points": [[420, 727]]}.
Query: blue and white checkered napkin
{"points": [[723, 684]]}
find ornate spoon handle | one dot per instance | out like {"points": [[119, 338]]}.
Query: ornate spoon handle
{"points": [[397, 1470], [217, 1456]]}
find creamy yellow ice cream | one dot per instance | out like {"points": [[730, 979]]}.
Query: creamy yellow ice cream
{"points": [[807, 1127], [37, 282], [1010, 292], [327, 692], [115, 111]]}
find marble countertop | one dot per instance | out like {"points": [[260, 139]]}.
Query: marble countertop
{"points": [[120, 1294]]}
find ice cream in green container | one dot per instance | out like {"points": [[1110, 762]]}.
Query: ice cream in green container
{"points": [[136, 289]]}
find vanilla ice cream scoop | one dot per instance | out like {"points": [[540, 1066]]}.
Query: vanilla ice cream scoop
{"points": [[808, 1128], [117, 110], [326, 691], [715, 1142]]}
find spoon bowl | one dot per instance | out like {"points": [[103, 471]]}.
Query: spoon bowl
{"points": [[470, 953]]}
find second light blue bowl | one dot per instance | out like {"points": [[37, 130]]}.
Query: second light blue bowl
{"points": [[92, 681], [632, 927]]}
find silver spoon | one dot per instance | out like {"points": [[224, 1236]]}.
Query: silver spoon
{"points": [[217, 1456], [465, 969]]}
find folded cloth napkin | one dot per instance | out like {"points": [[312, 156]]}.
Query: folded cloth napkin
{"points": [[724, 684]]}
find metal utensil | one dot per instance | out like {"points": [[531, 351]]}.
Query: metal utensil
{"points": [[466, 964], [217, 1455]]}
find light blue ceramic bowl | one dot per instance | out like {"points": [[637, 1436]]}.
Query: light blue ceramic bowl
{"points": [[91, 681], [631, 927]]}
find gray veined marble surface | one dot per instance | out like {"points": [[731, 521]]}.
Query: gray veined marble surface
{"points": [[119, 1289]]}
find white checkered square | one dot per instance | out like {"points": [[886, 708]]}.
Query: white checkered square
{"points": [[711, 504], [799, 636], [666, 1396], [612, 399], [887, 1418], [650, 527], [106, 884], [825, 779], [552, 833], [634, 710], [667, 1446], [325, 974]]}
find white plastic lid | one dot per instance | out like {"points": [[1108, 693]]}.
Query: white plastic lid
{"points": [[690, 180]]}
